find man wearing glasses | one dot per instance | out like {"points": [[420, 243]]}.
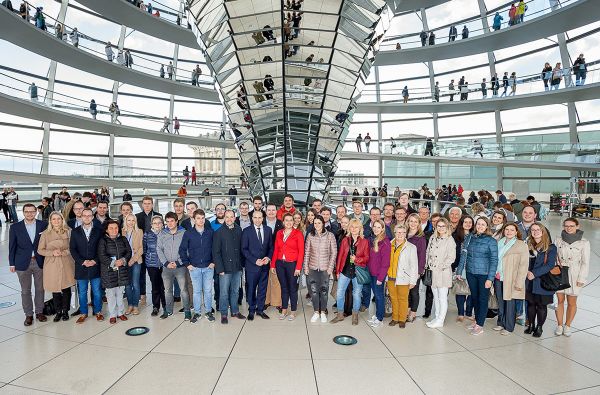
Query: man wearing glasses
{"points": [[220, 217], [24, 259]]}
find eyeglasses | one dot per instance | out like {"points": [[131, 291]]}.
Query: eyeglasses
{"points": [[441, 226], [569, 226], [29, 211]]}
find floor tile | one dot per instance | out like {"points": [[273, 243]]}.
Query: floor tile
{"points": [[14, 298], [594, 331], [490, 338], [9, 389], [15, 320], [436, 374], [581, 347], [289, 376], [517, 362], [201, 375], [28, 352], [584, 391], [375, 376], [8, 333], [69, 330], [272, 343], [369, 345], [6, 291], [65, 374]]}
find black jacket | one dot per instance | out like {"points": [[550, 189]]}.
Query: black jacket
{"points": [[83, 249], [227, 249], [141, 220], [118, 248]]}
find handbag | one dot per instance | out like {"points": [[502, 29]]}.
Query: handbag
{"points": [[460, 287], [427, 277], [362, 275], [556, 279], [492, 300]]}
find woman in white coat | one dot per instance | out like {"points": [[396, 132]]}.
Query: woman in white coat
{"points": [[441, 253], [573, 251]]}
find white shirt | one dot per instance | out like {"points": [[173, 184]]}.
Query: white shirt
{"points": [[87, 231]]}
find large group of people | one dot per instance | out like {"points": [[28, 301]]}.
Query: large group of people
{"points": [[494, 262]]}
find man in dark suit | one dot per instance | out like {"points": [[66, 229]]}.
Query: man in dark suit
{"points": [[144, 222], [23, 258], [84, 247], [77, 210], [257, 248], [257, 205], [330, 225]]}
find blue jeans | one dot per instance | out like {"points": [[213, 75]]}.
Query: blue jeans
{"points": [[343, 282], [176, 276], [82, 290], [202, 280], [229, 288], [133, 288], [366, 297], [12, 209], [479, 294], [379, 298], [460, 304]]}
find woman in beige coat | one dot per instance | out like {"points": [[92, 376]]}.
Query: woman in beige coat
{"points": [[509, 284], [135, 237], [574, 252], [59, 267], [441, 253]]}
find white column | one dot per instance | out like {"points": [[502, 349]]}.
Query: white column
{"points": [[436, 130], [379, 129], [115, 93]]}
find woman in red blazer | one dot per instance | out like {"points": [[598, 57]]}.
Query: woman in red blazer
{"points": [[288, 256], [354, 251]]}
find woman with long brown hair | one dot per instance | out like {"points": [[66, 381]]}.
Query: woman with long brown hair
{"points": [[378, 265]]}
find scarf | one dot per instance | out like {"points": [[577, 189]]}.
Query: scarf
{"points": [[503, 247], [569, 238]]}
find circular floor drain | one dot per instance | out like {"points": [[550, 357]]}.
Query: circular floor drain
{"points": [[4, 305], [137, 331], [345, 340]]}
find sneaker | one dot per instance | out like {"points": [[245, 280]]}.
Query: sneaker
{"points": [[429, 323], [323, 317], [224, 320], [520, 320], [195, 318], [567, 331], [315, 317], [504, 332], [210, 317], [376, 324], [436, 324], [188, 316], [372, 319], [498, 328], [165, 315], [154, 312], [559, 330], [460, 318], [477, 330], [472, 326]]}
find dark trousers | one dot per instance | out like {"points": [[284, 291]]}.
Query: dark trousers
{"points": [[414, 298], [289, 284], [318, 284], [479, 294], [537, 309], [460, 304], [507, 311], [378, 291], [217, 290], [158, 287], [143, 278], [366, 297], [256, 292], [62, 300]]}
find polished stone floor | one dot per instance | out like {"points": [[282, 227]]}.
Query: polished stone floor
{"points": [[270, 357]]}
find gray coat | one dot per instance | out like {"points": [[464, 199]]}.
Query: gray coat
{"points": [[167, 246]]}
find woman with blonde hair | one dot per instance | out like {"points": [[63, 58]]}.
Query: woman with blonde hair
{"points": [[353, 252], [298, 221], [378, 265], [416, 236], [402, 274], [477, 211], [59, 266], [135, 238], [573, 252], [441, 253]]}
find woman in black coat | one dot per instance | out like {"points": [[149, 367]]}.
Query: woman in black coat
{"points": [[113, 253]]}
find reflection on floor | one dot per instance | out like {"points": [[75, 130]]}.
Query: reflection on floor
{"points": [[283, 357]]}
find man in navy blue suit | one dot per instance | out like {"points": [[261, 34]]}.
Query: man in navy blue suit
{"points": [[23, 258], [257, 248]]}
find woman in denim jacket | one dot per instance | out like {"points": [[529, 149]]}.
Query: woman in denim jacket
{"points": [[479, 258]]}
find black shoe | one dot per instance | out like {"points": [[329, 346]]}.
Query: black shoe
{"points": [[195, 318], [76, 313], [224, 320], [538, 331], [177, 299], [251, 317], [57, 316], [154, 312], [263, 316], [65, 316], [529, 330], [188, 316], [326, 312], [239, 316], [210, 317], [426, 315], [164, 315], [181, 310], [212, 311]]}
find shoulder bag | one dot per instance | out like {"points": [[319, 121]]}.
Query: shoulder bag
{"points": [[362, 273], [556, 279]]}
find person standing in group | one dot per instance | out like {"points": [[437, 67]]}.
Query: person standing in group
{"points": [[573, 252], [542, 258], [59, 268], [25, 260], [135, 238], [509, 284], [512, 82], [288, 257], [227, 256], [114, 253], [402, 274], [84, 250], [505, 84], [167, 248], [557, 74], [367, 142], [353, 251], [257, 249], [497, 23], [153, 264], [93, 109], [416, 237], [320, 252], [441, 253], [110, 54], [479, 258], [405, 94], [273, 297], [196, 254], [378, 265], [452, 33], [547, 76], [358, 142], [144, 222], [465, 226], [451, 90], [580, 69]]}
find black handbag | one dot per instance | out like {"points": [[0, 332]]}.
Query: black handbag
{"points": [[427, 277], [556, 279]]}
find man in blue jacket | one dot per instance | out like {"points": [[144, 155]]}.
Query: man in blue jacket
{"points": [[257, 248], [84, 249], [195, 252], [23, 258]]}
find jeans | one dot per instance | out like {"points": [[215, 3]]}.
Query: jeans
{"points": [[13, 213], [318, 283], [440, 300], [114, 298], [169, 276], [133, 289], [202, 278], [343, 282], [366, 297], [379, 298], [82, 289], [289, 284], [158, 287], [507, 314], [479, 295], [579, 79], [229, 287], [460, 304], [25, 279]]}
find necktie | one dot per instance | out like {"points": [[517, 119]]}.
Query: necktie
{"points": [[259, 235]]}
